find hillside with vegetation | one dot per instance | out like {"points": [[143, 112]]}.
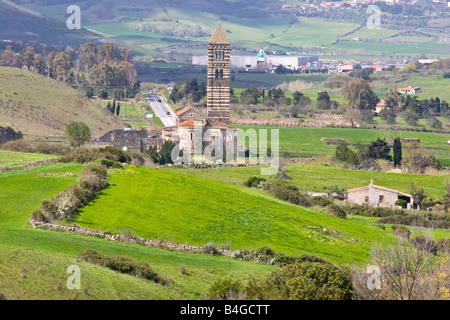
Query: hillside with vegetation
{"points": [[27, 25], [37, 105]]}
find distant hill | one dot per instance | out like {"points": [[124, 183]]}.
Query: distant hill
{"points": [[38, 105], [22, 24]]}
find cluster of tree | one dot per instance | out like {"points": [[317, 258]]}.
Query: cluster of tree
{"points": [[364, 156], [362, 73], [111, 107], [164, 156], [191, 91], [177, 30], [109, 69], [412, 108], [56, 65]]}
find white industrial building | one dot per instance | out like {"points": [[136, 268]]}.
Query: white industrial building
{"points": [[261, 61]]}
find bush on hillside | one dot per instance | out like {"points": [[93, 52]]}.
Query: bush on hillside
{"points": [[210, 248], [225, 289], [320, 201], [121, 264], [302, 281], [254, 182], [336, 211]]}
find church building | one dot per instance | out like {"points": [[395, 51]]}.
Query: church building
{"points": [[193, 124]]}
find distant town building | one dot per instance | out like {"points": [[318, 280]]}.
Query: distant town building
{"points": [[262, 61], [377, 68], [376, 196], [380, 106], [427, 61], [409, 90], [345, 68]]}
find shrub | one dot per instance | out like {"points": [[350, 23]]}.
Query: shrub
{"points": [[320, 201], [121, 264], [38, 215], [224, 289], [423, 242], [289, 193], [210, 248], [51, 148], [303, 281], [18, 145], [183, 269], [336, 211], [401, 231], [109, 163], [253, 182], [99, 170], [443, 245], [401, 203]]}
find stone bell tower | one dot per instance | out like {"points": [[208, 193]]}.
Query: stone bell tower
{"points": [[218, 103]]}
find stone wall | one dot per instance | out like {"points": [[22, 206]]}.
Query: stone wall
{"points": [[318, 121], [122, 238], [28, 165], [139, 140]]}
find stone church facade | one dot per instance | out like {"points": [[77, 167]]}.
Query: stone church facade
{"points": [[193, 127]]}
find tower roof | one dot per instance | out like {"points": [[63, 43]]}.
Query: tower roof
{"points": [[219, 35]]}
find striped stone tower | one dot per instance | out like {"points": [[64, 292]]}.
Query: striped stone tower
{"points": [[218, 103]]}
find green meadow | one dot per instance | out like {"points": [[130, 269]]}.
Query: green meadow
{"points": [[314, 176], [305, 142], [12, 158], [33, 262], [172, 206]]}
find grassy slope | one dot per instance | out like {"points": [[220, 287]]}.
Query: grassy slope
{"points": [[309, 177], [35, 104], [33, 262], [11, 158], [181, 208], [305, 142]]}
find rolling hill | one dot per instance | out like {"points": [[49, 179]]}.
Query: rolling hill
{"points": [[27, 25], [37, 105], [180, 208]]}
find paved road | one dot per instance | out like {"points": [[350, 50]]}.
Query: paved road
{"points": [[162, 110]]}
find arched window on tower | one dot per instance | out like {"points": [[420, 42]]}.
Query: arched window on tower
{"points": [[217, 73], [221, 73]]}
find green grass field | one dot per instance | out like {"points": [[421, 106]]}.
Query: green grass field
{"points": [[305, 142], [181, 208], [33, 262], [12, 158], [313, 177]]}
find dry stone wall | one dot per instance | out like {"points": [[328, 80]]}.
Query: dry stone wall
{"points": [[122, 238]]}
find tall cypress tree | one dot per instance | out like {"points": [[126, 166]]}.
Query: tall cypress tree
{"points": [[397, 152], [118, 109]]}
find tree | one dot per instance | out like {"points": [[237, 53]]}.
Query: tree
{"points": [[397, 152], [359, 94], [446, 197], [323, 100], [7, 57], [118, 109], [418, 195], [410, 118], [165, 153], [379, 149], [297, 95], [388, 115], [406, 272], [345, 154], [77, 133], [105, 52], [88, 55]]}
